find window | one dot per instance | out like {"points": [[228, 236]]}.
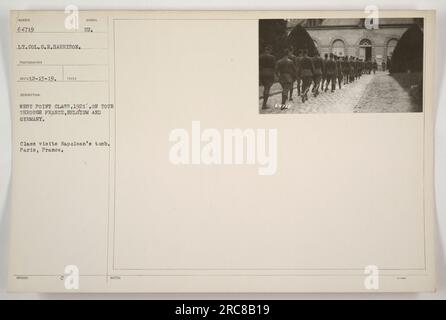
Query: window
{"points": [[314, 22], [365, 43], [338, 47]]}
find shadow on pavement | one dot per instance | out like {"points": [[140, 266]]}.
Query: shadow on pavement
{"points": [[412, 83]]}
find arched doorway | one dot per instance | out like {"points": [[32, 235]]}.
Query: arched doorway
{"points": [[391, 45], [365, 50], [338, 47]]}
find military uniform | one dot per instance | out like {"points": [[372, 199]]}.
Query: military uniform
{"points": [[293, 58], [297, 64], [324, 71], [351, 73], [317, 75], [362, 66], [339, 71], [267, 63], [345, 69], [368, 66], [307, 73], [286, 71], [332, 71], [374, 66]]}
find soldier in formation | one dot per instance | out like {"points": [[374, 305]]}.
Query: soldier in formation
{"points": [[309, 73], [331, 70], [267, 64], [285, 71]]}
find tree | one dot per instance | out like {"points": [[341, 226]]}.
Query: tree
{"points": [[408, 54], [273, 32], [299, 38]]}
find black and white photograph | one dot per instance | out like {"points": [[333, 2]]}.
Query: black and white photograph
{"points": [[341, 65]]}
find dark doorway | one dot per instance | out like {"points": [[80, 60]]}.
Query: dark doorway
{"points": [[368, 53]]}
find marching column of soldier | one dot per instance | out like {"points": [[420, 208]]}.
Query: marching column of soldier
{"points": [[310, 73]]}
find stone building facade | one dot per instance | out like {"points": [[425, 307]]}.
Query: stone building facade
{"points": [[350, 37]]}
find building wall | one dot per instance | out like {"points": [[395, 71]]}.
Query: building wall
{"points": [[351, 31], [324, 39]]}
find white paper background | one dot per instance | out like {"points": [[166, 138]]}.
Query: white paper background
{"points": [[5, 125]]}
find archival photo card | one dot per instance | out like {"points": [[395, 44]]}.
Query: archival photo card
{"points": [[143, 160]]}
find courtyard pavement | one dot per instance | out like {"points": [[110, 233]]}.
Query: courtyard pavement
{"points": [[378, 92]]}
